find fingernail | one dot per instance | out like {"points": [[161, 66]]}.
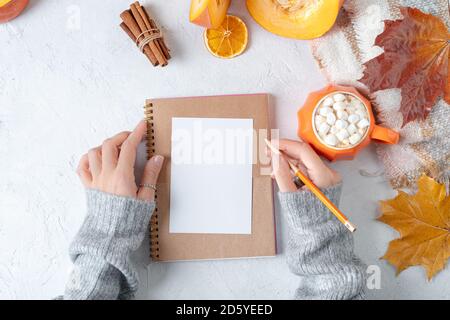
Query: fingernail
{"points": [[158, 159]]}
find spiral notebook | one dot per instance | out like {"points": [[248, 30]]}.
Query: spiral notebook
{"points": [[214, 195]]}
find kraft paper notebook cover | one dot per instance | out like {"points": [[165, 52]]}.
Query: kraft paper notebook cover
{"points": [[167, 246]]}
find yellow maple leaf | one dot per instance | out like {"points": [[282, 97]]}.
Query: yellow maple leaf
{"points": [[423, 221]]}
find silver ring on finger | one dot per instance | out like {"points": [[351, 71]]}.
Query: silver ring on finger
{"points": [[148, 185]]}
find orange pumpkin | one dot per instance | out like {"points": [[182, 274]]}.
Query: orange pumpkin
{"points": [[10, 9], [298, 19], [208, 13]]}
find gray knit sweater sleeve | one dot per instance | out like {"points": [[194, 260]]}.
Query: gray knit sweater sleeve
{"points": [[113, 227], [320, 248]]}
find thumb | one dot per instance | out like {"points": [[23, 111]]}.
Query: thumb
{"points": [[149, 178]]}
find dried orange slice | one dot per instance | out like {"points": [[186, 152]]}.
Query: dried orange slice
{"points": [[229, 40]]}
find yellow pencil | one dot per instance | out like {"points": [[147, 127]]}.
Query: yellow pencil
{"points": [[319, 194]]}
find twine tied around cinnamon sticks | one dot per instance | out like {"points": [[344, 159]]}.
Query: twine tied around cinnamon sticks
{"points": [[148, 36], [143, 30]]}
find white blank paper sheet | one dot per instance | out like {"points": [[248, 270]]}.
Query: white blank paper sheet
{"points": [[211, 176]]}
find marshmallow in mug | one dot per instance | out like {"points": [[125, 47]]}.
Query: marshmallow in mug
{"points": [[341, 120]]}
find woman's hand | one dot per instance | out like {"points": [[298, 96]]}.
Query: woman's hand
{"points": [[306, 159], [110, 167]]}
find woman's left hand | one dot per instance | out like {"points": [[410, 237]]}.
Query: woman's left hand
{"points": [[110, 167]]}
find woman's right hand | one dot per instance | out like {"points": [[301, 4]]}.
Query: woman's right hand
{"points": [[306, 159]]}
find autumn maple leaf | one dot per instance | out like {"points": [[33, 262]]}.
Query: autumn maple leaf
{"points": [[423, 221], [415, 59]]}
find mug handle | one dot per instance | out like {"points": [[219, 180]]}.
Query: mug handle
{"points": [[384, 135]]}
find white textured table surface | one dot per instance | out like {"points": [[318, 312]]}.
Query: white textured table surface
{"points": [[69, 78]]}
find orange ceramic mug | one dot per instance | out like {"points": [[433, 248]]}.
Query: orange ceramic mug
{"points": [[308, 132]]}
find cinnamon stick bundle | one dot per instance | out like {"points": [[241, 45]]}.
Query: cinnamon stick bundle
{"points": [[142, 29]]}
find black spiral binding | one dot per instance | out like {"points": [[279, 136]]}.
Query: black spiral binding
{"points": [[154, 241]]}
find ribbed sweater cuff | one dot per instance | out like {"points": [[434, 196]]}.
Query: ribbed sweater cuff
{"points": [[113, 214], [303, 209], [113, 224]]}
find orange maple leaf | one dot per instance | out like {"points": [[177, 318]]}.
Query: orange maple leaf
{"points": [[423, 221], [415, 59]]}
